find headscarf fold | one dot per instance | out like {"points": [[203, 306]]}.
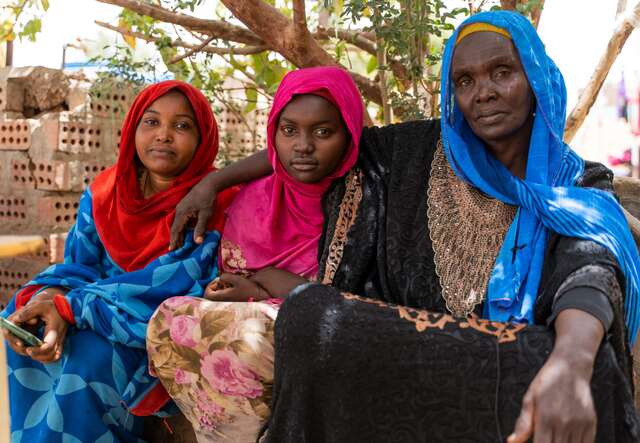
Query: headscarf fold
{"points": [[277, 220], [133, 229], [548, 198]]}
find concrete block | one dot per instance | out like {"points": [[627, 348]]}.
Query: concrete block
{"points": [[15, 135], [14, 273]]}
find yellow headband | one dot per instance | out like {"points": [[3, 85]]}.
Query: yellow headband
{"points": [[480, 27]]}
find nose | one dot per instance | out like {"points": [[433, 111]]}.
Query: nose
{"points": [[163, 133], [485, 91], [304, 143]]}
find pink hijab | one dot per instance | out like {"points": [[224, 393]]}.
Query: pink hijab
{"points": [[277, 220]]}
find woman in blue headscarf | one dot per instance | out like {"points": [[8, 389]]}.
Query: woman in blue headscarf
{"points": [[497, 279]]}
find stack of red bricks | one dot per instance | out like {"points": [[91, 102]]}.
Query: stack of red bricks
{"points": [[55, 137]]}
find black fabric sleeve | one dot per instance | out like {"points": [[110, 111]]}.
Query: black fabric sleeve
{"points": [[587, 289]]}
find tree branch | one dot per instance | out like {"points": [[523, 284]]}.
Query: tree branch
{"points": [[192, 51], [590, 93], [278, 33], [299, 17], [246, 50], [216, 28]]}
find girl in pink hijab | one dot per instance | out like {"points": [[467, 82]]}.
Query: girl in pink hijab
{"points": [[215, 356]]}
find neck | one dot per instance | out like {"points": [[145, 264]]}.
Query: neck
{"points": [[514, 151], [151, 183]]}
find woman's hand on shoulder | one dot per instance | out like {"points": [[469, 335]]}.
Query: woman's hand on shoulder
{"points": [[196, 205], [40, 311], [236, 288], [558, 406]]}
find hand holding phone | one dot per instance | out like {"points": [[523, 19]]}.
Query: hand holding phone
{"points": [[22, 334]]}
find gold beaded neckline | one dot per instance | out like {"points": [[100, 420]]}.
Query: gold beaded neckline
{"points": [[467, 230]]}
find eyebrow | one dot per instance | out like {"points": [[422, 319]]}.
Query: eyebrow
{"points": [[153, 111]]}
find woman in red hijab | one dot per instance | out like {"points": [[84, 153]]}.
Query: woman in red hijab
{"points": [[215, 358], [92, 311]]}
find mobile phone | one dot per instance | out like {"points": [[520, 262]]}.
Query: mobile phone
{"points": [[22, 334]]}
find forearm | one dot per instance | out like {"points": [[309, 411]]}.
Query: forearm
{"points": [[578, 337], [277, 282], [251, 168]]}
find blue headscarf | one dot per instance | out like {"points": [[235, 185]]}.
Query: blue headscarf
{"points": [[548, 198]]}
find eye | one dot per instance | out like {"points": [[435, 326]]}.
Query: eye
{"points": [[323, 132], [502, 73], [183, 125], [287, 130], [464, 82], [150, 121]]}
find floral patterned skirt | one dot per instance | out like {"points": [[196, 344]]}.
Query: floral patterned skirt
{"points": [[215, 359]]}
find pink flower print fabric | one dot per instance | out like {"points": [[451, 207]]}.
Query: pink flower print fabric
{"points": [[215, 359]]}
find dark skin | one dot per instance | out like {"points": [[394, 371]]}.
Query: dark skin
{"points": [[311, 140], [166, 140], [493, 93], [495, 97]]}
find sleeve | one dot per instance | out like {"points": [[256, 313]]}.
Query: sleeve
{"points": [[587, 289], [119, 308]]}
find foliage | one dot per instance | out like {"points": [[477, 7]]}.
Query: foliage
{"points": [[407, 38], [26, 15]]}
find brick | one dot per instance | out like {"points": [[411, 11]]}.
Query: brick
{"points": [[54, 175], [111, 103], [77, 137], [90, 171], [15, 272], [56, 247], [44, 136], [58, 211], [11, 93], [13, 209], [15, 135], [21, 175]]}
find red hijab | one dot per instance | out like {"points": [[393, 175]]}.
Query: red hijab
{"points": [[277, 220], [135, 230]]}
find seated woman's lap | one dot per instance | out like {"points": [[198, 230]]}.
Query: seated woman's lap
{"points": [[77, 396], [217, 356], [416, 373]]}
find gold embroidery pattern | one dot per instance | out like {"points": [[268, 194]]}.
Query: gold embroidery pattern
{"points": [[423, 320], [232, 258], [467, 230], [346, 219]]}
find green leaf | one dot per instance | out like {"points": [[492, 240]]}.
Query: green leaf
{"points": [[31, 28], [252, 99], [44, 4], [372, 65]]}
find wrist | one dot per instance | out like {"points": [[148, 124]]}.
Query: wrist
{"points": [[578, 359]]}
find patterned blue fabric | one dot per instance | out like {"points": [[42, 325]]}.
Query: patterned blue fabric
{"points": [[85, 396], [547, 198]]}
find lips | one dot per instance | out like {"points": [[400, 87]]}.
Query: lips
{"points": [[490, 117], [304, 164], [161, 151]]}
